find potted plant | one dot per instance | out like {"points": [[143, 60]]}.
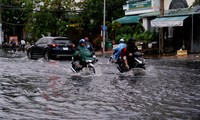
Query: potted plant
{"points": [[147, 37]]}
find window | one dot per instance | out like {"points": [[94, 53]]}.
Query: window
{"points": [[45, 41], [39, 41]]}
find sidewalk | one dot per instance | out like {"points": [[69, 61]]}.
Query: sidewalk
{"points": [[189, 57]]}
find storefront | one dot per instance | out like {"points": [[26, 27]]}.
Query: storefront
{"points": [[180, 23], [181, 26]]}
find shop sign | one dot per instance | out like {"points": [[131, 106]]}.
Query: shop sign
{"points": [[139, 4]]}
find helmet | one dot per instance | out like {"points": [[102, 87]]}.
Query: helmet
{"points": [[131, 40], [121, 40], [86, 39], [81, 40]]}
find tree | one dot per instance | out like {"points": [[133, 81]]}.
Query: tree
{"points": [[93, 10], [50, 17], [14, 16], [41, 17], [196, 2]]}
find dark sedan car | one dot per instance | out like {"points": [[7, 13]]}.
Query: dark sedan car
{"points": [[51, 47]]}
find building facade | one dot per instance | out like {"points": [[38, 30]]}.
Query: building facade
{"points": [[180, 23]]}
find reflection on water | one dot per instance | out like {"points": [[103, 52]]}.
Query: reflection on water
{"points": [[39, 89]]}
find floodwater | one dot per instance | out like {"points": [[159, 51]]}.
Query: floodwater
{"points": [[41, 90]]}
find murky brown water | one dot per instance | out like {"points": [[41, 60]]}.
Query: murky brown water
{"points": [[39, 89]]}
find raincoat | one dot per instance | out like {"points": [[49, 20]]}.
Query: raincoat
{"points": [[118, 49], [82, 53]]}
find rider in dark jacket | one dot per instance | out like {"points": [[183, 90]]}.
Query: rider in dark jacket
{"points": [[130, 50], [88, 44], [13, 45]]}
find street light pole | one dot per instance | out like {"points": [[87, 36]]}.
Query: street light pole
{"points": [[161, 36], [104, 22], [0, 24]]}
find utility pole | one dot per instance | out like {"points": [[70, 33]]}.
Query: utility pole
{"points": [[1, 23], [104, 26], [161, 35]]}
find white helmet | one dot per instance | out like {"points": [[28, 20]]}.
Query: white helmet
{"points": [[121, 40]]}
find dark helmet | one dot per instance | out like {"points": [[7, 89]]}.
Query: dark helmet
{"points": [[131, 40]]}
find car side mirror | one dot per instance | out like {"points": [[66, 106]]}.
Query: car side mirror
{"points": [[34, 43]]}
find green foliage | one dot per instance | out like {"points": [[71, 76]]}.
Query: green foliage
{"points": [[147, 36], [123, 36], [53, 16], [196, 2], [137, 32], [124, 32], [138, 29], [14, 12], [93, 9]]}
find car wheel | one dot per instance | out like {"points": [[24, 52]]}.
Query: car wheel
{"points": [[29, 54], [46, 55]]}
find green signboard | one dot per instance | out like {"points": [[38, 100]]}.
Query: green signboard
{"points": [[138, 4]]}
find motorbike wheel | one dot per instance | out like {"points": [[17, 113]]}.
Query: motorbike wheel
{"points": [[92, 69], [122, 67], [111, 59], [46, 56], [29, 54], [141, 66], [120, 70]]}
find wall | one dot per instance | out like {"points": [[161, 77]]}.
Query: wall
{"points": [[179, 3]]}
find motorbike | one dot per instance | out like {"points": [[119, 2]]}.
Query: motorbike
{"points": [[87, 64], [111, 57], [138, 62]]}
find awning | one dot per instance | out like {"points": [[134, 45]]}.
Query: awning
{"points": [[168, 21], [128, 19]]}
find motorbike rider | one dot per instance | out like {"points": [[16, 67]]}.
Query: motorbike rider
{"points": [[22, 43], [118, 49], [88, 44], [13, 45], [90, 47], [129, 53], [81, 54]]}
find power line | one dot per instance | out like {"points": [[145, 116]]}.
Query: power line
{"points": [[13, 24], [10, 7], [14, 7]]}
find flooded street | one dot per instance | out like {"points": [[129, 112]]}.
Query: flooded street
{"points": [[40, 89]]}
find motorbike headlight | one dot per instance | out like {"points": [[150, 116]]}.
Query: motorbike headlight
{"points": [[88, 61]]}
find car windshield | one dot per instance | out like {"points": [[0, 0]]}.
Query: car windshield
{"points": [[62, 41]]}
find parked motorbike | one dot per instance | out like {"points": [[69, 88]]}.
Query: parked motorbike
{"points": [[138, 62], [87, 64]]}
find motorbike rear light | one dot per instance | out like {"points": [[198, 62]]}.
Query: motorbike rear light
{"points": [[73, 45]]}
